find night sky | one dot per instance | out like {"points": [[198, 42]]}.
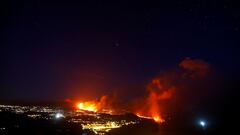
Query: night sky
{"points": [[52, 50]]}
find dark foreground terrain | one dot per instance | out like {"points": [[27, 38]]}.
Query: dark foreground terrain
{"points": [[12, 124]]}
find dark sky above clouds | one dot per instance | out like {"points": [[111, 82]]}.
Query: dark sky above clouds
{"points": [[52, 50]]}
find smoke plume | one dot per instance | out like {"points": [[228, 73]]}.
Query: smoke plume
{"points": [[166, 87]]}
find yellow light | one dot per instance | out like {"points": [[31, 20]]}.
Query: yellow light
{"points": [[101, 127]]}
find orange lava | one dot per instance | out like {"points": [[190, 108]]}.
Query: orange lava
{"points": [[88, 106], [157, 119], [94, 105]]}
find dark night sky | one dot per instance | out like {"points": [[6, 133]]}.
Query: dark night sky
{"points": [[56, 50]]}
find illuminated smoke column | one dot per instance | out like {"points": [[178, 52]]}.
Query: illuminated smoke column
{"points": [[164, 88]]}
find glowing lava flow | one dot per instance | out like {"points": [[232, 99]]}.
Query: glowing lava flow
{"points": [[157, 119], [88, 106]]}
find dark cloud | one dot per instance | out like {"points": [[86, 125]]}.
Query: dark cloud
{"points": [[194, 68]]}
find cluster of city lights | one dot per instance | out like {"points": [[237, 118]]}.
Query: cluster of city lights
{"points": [[101, 128], [85, 116], [23, 109]]}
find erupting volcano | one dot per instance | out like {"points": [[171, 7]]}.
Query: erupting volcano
{"points": [[159, 93], [150, 107]]}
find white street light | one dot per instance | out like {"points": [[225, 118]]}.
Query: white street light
{"points": [[59, 115], [202, 123]]}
